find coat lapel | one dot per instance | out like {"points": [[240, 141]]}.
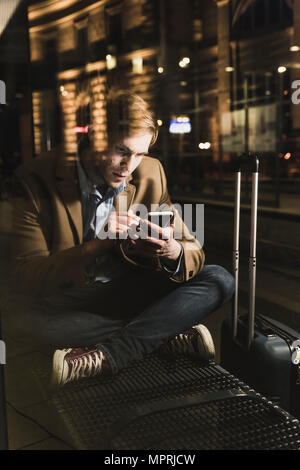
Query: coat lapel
{"points": [[67, 185], [125, 198]]}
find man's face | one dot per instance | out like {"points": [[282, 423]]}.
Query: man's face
{"points": [[114, 166]]}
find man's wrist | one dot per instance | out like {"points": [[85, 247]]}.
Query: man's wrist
{"points": [[173, 266], [174, 252]]}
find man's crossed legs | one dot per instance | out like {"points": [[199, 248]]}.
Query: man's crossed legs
{"points": [[125, 319]]}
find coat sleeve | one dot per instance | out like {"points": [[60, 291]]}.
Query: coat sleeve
{"points": [[35, 271], [193, 254]]}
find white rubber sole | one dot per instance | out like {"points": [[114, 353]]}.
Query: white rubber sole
{"points": [[58, 367], [207, 341]]}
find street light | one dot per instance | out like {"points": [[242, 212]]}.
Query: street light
{"points": [[184, 62], [204, 145], [281, 69], [294, 48]]}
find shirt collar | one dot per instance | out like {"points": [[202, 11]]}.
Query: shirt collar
{"points": [[87, 186]]}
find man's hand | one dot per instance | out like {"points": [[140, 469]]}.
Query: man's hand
{"points": [[119, 223], [116, 229], [160, 242]]}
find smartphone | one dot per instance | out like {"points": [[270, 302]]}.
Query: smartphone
{"points": [[163, 218]]}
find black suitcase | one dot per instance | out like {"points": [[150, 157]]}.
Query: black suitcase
{"points": [[259, 350]]}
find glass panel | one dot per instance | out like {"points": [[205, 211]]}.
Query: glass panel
{"points": [[211, 79], [15, 92], [235, 100]]}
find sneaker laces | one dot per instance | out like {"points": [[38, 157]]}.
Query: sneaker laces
{"points": [[184, 342], [181, 343], [86, 365]]}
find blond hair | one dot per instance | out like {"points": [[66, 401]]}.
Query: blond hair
{"points": [[128, 114]]}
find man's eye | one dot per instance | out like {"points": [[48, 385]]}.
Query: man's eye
{"points": [[122, 151]]}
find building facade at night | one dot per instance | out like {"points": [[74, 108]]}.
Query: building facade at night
{"points": [[219, 75]]}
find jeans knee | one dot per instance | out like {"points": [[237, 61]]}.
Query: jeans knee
{"points": [[224, 280]]}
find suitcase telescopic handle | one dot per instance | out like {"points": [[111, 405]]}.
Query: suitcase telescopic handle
{"points": [[245, 162]]}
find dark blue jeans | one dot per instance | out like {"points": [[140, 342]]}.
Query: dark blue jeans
{"points": [[130, 316]]}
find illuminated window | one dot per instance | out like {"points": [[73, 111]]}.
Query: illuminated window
{"points": [[197, 29], [137, 65], [111, 61], [180, 125]]}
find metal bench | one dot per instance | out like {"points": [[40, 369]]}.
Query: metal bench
{"points": [[162, 403]]}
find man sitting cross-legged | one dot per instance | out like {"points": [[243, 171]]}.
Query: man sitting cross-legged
{"points": [[97, 294]]}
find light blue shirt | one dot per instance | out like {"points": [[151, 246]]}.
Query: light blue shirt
{"points": [[109, 266], [105, 202]]}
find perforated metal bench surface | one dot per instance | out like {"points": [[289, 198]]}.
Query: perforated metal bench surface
{"points": [[165, 403]]}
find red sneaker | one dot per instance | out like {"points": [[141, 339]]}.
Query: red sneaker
{"points": [[74, 364], [197, 341]]}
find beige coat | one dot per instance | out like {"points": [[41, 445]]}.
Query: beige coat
{"points": [[47, 248]]}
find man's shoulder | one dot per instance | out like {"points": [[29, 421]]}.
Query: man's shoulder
{"points": [[42, 165], [149, 167], [150, 162]]}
